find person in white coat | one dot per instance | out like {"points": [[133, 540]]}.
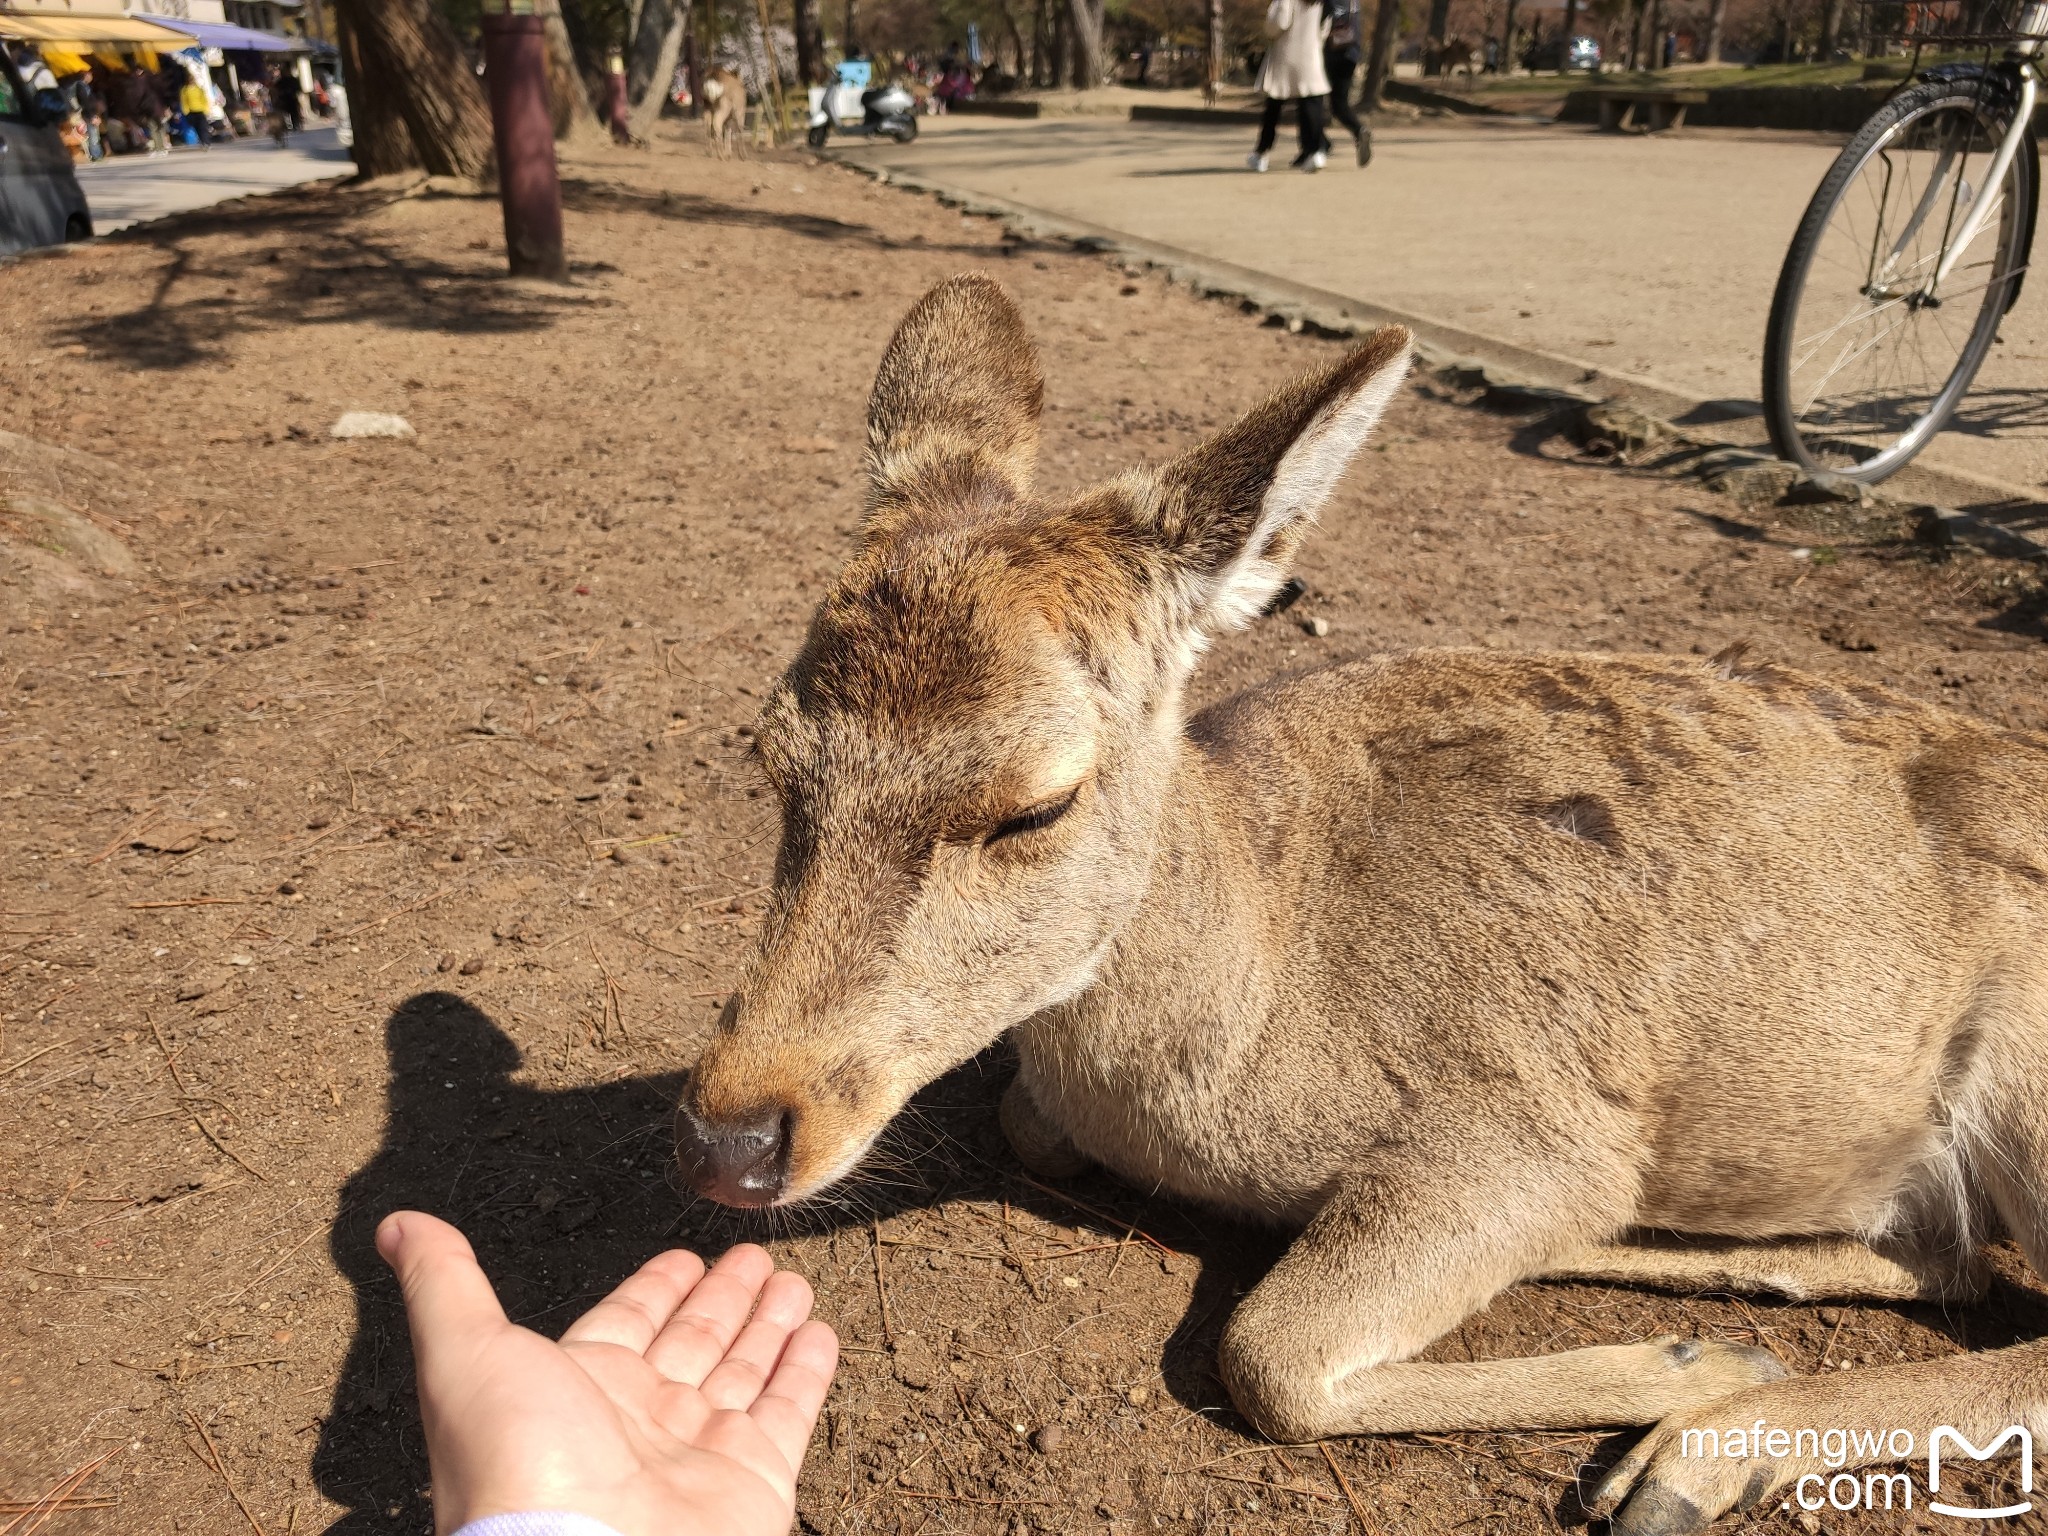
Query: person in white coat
{"points": [[1294, 72]]}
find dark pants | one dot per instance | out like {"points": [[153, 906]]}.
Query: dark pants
{"points": [[1340, 67], [1308, 118]]}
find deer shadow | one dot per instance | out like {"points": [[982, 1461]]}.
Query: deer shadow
{"points": [[563, 1193]]}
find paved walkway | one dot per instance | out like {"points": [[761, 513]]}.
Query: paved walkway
{"points": [[130, 189], [1653, 258]]}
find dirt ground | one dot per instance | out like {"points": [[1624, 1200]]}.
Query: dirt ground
{"points": [[377, 834]]}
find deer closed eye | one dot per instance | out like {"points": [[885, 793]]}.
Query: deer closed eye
{"points": [[1034, 819]]}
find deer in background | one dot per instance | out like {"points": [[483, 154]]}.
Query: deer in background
{"points": [[725, 105], [1470, 967]]}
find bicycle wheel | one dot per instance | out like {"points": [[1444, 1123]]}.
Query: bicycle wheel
{"points": [[1866, 355]]}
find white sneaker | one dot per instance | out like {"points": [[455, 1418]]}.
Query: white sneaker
{"points": [[1255, 162], [1315, 162]]}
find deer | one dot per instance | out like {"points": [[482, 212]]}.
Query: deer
{"points": [[725, 103], [1465, 967]]}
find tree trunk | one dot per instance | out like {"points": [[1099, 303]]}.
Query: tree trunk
{"points": [[1433, 38], [1215, 84], [1717, 16], [586, 48], [1571, 30], [410, 69], [658, 23], [1507, 41], [1379, 64], [810, 42], [1656, 31], [1830, 29], [568, 102], [851, 42], [646, 108], [1041, 25], [1088, 64]]}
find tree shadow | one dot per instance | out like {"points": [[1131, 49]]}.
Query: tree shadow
{"points": [[321, 269], [584, 196], [563, 1193]]}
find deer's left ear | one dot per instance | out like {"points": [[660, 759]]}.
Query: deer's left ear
{"points": [[953, 420], [1233, 512]]}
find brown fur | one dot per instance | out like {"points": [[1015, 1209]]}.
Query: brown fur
{"points": [[725, 110], [1471, 966]]}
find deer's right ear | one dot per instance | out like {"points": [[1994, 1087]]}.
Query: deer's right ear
{"points": [[953, 421]]}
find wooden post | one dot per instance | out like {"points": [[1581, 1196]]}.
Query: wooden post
{"points": [[523, 129]]}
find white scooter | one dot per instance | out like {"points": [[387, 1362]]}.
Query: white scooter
{"points": [[853, 107]]}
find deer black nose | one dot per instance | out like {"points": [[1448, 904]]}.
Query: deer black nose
{"points": [[744, 1164]]}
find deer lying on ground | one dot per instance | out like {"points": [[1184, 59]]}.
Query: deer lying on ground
{"points": [[1473, 967], [725, 106]]}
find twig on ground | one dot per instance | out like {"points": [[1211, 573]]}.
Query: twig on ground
{"points": [[881, 1285], [135, 829], [219, 1466], [1344, 1484], [192, 901], [378, 922], [1259, 1482], [1098, 1213], [57, 1499], [275, 1265]]}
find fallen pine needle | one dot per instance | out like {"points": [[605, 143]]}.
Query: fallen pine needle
{"points": [[1350, 1498], [1097, 1212], [219, 1466], [56, 1499], [1307, 1493], [192, 901]]}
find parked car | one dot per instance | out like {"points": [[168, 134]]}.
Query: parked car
{"points": [[1551, 53], [41, 202]]}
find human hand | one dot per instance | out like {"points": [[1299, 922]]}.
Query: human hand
{"points": [[664, 1409]]}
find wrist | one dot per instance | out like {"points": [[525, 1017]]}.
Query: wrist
{"points": [[540, 1522]]}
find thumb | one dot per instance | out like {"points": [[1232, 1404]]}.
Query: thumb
{"points": [[448, 1301]]}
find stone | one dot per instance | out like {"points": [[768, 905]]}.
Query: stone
{"points": [[1047, 1439], [351, 424]]}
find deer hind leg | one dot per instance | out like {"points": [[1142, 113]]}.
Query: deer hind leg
{"points": [[1816, 1269], [1401, 1255], [1673, 1485]]}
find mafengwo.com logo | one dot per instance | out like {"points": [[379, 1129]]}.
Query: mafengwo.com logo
{"points": [[1869, 1486]]}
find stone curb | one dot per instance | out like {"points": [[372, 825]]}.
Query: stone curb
{"points": [[1743, 474]]}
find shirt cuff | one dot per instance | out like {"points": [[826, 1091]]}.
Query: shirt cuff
{"points": [[540, 1522]]}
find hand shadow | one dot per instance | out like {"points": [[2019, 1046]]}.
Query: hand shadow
{"points": [[563, 1194]]}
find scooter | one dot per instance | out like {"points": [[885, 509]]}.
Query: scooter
{"points": [[887, 111]]}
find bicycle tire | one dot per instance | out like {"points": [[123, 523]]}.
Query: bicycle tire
{"points": [[1987, 99]]}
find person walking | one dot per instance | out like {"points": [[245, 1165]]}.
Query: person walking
{"points": [[1340, 63], [1293, 71]]}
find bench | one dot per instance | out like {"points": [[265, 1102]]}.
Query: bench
{"points": [[1661, 110]]}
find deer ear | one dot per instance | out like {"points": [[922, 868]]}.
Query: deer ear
{"points": [[1233, 511], [953, 421]]}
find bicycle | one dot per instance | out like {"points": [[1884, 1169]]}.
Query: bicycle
{"points": [[1904, 265]]}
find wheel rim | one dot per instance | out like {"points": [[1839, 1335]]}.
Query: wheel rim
{"points": [[1878, 355]]}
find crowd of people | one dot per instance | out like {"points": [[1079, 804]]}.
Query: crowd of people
{"points": [[145, 101]]}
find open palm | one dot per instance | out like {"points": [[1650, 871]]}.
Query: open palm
{"points": [[682, 1402]]}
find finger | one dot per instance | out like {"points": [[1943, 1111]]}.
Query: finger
{"points": [[740, 1377], [787, 1409], [634, 1313], [448, 1302], [703, 1328]]}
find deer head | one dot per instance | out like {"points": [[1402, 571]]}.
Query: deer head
{"points": [[973, 748]]}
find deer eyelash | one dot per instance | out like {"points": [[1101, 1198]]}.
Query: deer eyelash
{"points": [[1038, 817]]}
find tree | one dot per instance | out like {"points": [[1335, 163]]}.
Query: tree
{"points": [[1089, 71], [1433, 37], [413, 100], [810, 42], [1830, 29], [568, 100], [1380, 64], [1717, 18]]}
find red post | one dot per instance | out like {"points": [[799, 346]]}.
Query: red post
{"points": [[529, 189]]}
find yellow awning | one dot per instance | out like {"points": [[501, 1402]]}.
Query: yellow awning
{"points": [[90, 29]]}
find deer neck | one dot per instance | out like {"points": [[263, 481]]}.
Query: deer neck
{"points": [[1186, 981]]}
